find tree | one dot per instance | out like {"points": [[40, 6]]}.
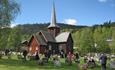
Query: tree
{"points": [[8, 11], [10, 38], [14, 39], [4, 34], [76, 37], [101, 34], [113, 41], [86, 41]]}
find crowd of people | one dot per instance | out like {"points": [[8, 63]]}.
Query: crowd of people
{"points": [[42, 59], [89, 61]]}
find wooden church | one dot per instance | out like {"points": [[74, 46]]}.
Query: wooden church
{"points": [[51, 40]]}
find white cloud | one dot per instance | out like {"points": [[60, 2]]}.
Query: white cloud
{"points": [[12, 25], [102, 0], [70, 21]]}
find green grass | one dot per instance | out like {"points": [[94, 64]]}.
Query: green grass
{"points": [[15, 64]]}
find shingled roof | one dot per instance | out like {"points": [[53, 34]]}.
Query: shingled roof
{"points": [[40, 39], [48, 36], [63, 37]]}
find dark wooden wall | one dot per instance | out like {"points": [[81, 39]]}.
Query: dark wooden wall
{"points": [[69, 44], [33, 45]]}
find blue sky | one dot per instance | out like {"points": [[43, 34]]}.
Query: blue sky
{"points": [[75, 12]]}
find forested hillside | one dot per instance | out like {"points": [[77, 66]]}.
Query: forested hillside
{"points": [[95, 38], [33, 28]]}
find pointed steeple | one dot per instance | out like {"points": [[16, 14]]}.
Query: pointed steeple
{"points": [[53, 18], [53, 28]]}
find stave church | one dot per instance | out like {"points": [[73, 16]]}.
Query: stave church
{"points": [[51, 40]]}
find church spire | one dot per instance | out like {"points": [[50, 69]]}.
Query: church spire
{"points": [[53, 18], [53, 28]]}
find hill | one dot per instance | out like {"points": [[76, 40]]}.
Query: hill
{"points": [[33, 28]]}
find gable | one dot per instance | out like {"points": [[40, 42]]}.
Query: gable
{"points": [[40, 39]]}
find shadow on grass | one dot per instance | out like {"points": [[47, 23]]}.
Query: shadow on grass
{"points": [[33, 64]]}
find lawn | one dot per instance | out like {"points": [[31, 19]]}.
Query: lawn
{"points": [[15, 64]]}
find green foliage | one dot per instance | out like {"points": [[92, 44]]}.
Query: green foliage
{"points": [[86, 39], [10, 38], [14, 39], [98, 39], [8, 11], [4, 34], [101, 36], [113, 40]]}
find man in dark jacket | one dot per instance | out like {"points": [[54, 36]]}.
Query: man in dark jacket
{"points": [[103, 61], [25, 54]]}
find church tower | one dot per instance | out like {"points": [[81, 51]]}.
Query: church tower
{"points": [[53, 28]]}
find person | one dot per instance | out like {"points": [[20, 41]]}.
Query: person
{"points": [[7, 52], [62, 53], [93, 62], [69, 58], [47, 55], [37, 56], [25, 54], [77, 59], [103, 61]]}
